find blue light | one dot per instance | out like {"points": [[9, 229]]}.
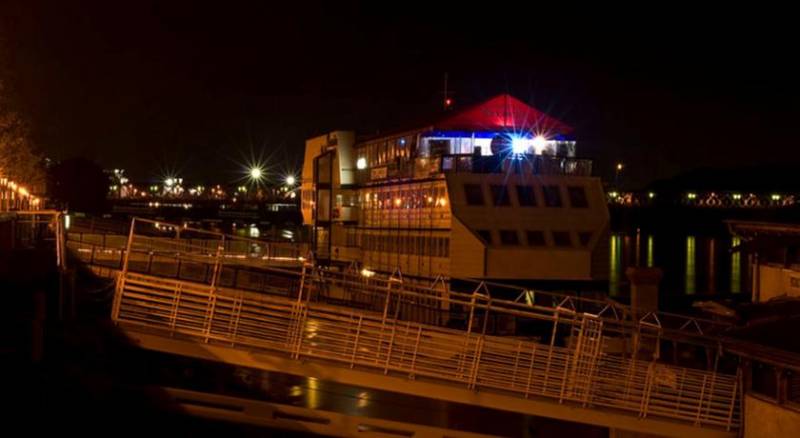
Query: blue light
{"points": [[519, 145]]}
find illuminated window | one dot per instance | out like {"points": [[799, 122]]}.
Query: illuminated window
{"points": [[536, 238], [509, 237], [561, 238], [486, 236], [552, 196], [500, 195], [585, 238], [577, 197], [473, 194], [526, 196]]}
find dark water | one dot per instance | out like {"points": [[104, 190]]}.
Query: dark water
{"points": [[696, 265]]}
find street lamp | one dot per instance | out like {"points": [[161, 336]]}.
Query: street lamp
{"points": [[618, 168], [256, 173], [290, 180]]}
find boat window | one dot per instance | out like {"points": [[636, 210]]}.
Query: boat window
{"points": [[500, 195], [552, 196], [486, 236], [473, 194], [561, 238], [577, 197], [526, 196], [585, 237], [536, 238], [509, 237], [439, 147]]}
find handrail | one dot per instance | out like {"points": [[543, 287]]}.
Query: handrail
{"points": [[380, 343], [184, 253]]}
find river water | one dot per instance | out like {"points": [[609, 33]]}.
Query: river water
{"points": [[696, 266]]}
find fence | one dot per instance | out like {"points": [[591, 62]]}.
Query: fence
{"points": [[380, 342]]}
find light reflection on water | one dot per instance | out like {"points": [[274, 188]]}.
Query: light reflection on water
{"points": [[690, 273], [616, 264], [692, 264], [736, 267]]}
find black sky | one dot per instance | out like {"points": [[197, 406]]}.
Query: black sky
{"points": [[194, 87]]}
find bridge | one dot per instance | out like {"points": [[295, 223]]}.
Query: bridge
{"points": [[262, 305]]}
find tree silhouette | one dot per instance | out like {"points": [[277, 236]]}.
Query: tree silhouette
{"points": [[78, 184]]}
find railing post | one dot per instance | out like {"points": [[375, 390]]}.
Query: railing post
{"points": [[211, 306], [516, 365], [299, 328], [734, 394], [416, 349], [216, 273], [550, 352], [355, 342], [700, 401], [391, 345], [176, 302], [237, 315], [123, 275], [385, 316], [644, 404], [476, 363], [530, 371]]}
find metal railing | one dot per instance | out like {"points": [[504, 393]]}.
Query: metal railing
{"points": [[427, 167], [37, 228], [526, 164], [381, 342], [435, 303], [431, 331]]}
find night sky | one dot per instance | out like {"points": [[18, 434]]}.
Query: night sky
{"points": [[179, 86]]}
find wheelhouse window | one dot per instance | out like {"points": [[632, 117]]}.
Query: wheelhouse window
{"points": [[526, 196], [473, 194], [561, 238], [577, 197], [509, 237], [486, 236], [439, 147], [552, 196], [536, 238], [500, 195], [585, 237]]}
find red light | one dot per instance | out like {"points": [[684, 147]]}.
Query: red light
{"points": [[448, 102]]}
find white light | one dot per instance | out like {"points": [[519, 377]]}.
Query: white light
{"points": [[290, 180], [519, 145], [367, 273], [539, 143], [169, 182], [256, 173], [67, 221], [361, 163]]}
